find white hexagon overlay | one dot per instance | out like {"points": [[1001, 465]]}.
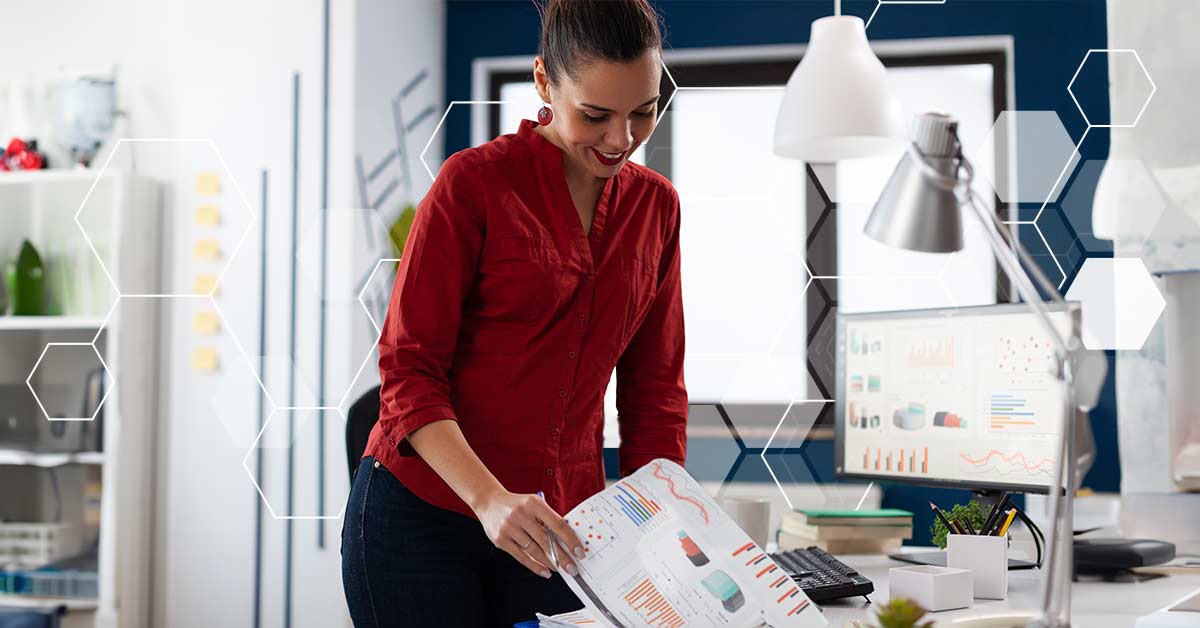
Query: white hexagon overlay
{"points": [[1044, 154], [1120, 302], [1130, 67], [57, 348], [274, 438], [233, 206], [791, 433], [1131, 206]]}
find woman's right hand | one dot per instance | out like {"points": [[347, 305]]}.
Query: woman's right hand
{"points": [[516, 523]]}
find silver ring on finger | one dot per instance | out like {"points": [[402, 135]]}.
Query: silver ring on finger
{"points": [[527, 544]]}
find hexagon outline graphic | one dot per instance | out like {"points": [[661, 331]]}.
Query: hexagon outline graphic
{"points": [[1109, 52], [224, 165], [107, 372], [266, 502], [767, 447], [242, 351], [450, 106], [367, 284], [880, 3]]}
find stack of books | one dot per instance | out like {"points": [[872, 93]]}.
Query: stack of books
{"points": [[846, 531]]}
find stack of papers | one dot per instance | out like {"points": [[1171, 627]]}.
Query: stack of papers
{"points": [[661, 553], [846, 531], [567, 620]]}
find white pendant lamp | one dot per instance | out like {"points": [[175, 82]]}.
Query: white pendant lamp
{"points": [[837, 104]]}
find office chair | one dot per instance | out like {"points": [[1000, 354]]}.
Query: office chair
{"points": [[28, 618], [363, 416]]}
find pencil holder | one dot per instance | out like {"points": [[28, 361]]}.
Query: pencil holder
{"points": [[934, 588], [986, 557]]}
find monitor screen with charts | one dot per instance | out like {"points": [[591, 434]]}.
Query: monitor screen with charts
{"points": [[961, 397]]}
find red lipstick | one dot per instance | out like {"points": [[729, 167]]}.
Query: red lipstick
{"points": [[605, 160]]}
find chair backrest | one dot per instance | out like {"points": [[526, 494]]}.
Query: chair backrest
{"points": [[28, 618], [363, 416]]}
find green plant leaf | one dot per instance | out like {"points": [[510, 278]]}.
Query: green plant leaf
{"points": [[970, 511]]}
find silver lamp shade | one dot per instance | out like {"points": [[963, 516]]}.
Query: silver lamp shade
{"points": [[918, 209]]}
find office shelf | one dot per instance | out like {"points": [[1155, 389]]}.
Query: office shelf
{"points": [[104, 494], [39, 323], [49, 460], [53, 176], [14, 600]]}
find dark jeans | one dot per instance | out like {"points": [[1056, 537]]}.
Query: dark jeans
{"points": [[406, 562]]}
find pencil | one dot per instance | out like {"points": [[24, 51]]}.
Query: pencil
{"points": [[994, 513], [1012, 513], [945, 521]]}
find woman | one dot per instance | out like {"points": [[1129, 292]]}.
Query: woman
{"points": [[537, 264]]}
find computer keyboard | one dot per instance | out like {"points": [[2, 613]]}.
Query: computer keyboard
{"points": [[821, 576]]}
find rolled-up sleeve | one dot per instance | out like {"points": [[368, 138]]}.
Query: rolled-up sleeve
{"points": [[420, 332], [652, 402]]}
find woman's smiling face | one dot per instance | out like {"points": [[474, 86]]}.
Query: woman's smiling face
{"points": [[602, 117]]}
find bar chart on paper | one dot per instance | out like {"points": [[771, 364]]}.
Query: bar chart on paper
{"points": [[648, 602], [635, 505]]}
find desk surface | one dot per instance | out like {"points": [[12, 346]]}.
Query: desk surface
{"points": [[1093, 604]]}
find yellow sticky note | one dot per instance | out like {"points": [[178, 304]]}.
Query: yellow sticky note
{"points": [[208, 183], [205, 283], [204, 359], [208, 216], [205, 323], [207, 249]]}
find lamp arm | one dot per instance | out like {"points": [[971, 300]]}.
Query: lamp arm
{"points": [[1003, 248]]}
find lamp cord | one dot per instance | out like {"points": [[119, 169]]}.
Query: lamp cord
{"points": [[837, 7]]}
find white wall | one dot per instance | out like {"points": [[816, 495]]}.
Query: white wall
{"points": [[1168, 144], [222, 69]]}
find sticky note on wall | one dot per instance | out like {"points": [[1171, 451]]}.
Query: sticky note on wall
{"points": [[205, 323], [207, 249], [208, 183], [205, 359], [208, 216], [205, 282]]}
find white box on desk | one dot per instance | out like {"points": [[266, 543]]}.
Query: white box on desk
{"points": [[934, 588], [986, 557]]}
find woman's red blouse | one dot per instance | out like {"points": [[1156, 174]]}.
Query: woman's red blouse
{"points": [[507, 318]]}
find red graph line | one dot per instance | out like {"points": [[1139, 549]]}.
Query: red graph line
{"points": [[1009, 459], [671, 486]]}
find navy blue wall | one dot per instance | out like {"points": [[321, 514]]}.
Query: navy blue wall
{"points": [[1051, 38]]}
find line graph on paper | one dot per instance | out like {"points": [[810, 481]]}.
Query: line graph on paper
{"points": [[681, 489], [1007, 464]]}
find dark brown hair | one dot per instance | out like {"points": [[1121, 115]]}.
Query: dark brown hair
{"points": [[578, 32]]}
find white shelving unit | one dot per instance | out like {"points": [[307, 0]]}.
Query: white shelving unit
{"points": [[122, 208]]}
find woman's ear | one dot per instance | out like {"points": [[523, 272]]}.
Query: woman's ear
{"points": [[541, 80]]}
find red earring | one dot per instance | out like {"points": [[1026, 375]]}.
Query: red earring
{"points": [[545, 116]]}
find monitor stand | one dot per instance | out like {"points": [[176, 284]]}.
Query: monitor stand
{"points": [[939, 559]]}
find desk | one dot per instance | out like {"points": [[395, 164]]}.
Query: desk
{"points": [[1094, 604]]}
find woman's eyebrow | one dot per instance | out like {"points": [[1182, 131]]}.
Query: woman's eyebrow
{"points": [[610, 110]]}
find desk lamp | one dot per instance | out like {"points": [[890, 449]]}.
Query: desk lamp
{"points": [[919, 210]]}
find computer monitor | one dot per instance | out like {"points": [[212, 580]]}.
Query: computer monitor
{"points": [[956, 397]]}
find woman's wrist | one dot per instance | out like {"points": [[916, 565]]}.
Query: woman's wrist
{"points": [[479, 498]]}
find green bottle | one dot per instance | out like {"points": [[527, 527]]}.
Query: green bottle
{"points": [[26, 279]]}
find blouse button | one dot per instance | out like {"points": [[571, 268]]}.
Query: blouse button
{"points": [[549, 471], [570, 354], [554, 432], [582, 317], [587, 278], [562, 393]]}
